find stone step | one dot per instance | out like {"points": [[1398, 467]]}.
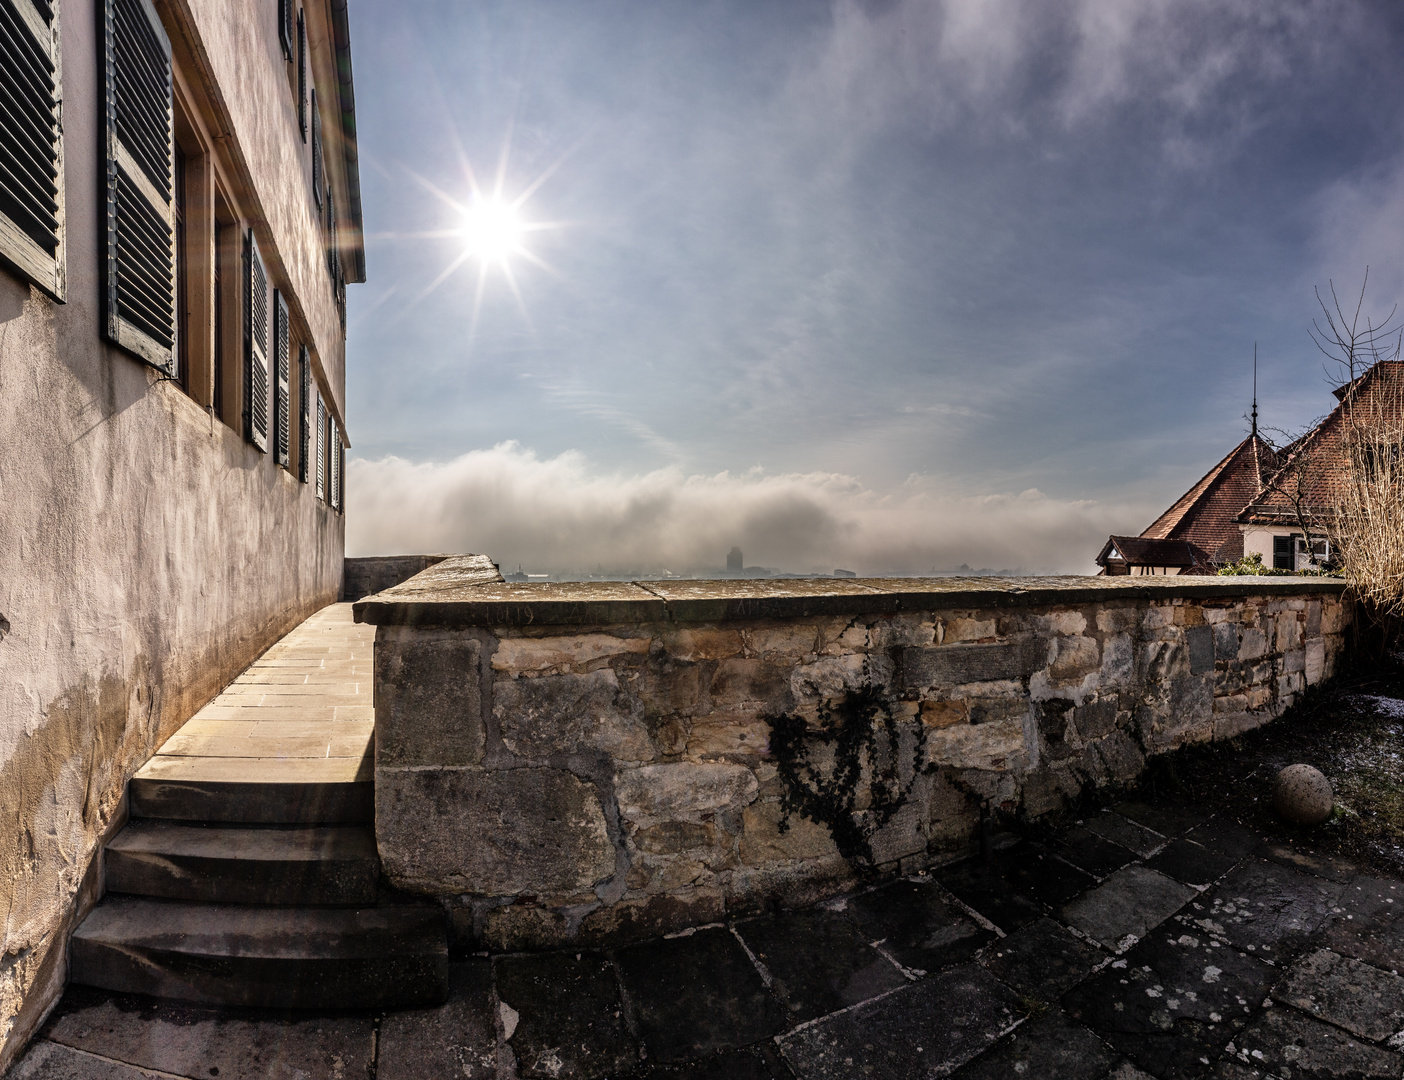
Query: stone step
{"points": [[274, 791], [302, 958], [329, 865]]}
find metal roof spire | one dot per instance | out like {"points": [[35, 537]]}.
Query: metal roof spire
{"points": [[1255, 389]]}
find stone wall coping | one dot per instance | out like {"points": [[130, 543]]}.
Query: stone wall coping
{"points": [[467, 590]]}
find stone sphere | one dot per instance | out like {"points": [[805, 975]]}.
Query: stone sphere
{"points": [[1302, 795]]}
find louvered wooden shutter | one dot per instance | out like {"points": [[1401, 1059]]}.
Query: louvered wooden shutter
{"points": [[302, 73], [304, 412], [31, 152], [285, 27], [321, 448], [139, 292], [340, 476], [316, 151], [282, 407], [334, 493], [255, 346]]}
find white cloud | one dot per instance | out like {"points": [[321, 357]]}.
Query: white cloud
{"points": [[561, 514]]}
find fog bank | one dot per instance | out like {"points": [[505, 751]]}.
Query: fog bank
{"points": [[561, 514]]}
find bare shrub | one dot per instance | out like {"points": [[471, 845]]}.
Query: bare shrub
{"points": [[1364, 508]]}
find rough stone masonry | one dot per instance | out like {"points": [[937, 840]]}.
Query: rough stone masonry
{"points": [[593, 762]]}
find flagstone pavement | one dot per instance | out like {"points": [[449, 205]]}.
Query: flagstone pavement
{"points": [[1145, 940]]}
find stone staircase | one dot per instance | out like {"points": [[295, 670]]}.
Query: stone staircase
{"points": [[248, 872]]}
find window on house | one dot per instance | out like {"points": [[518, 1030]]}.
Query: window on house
{"points": [[228, 326], [321, 448], [182, 274], [31, 152], [334, 453], [1382, 460], [1283, 553], [302, 73], [282, 417], [139, 268], [255, 346], [304, 413], [316, 151]]}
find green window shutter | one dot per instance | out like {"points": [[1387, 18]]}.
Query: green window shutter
{"points": [[139, 268], [282, 406], [316, 151], [31, 151], [321, 448], [285, 28], [302, 73], [255, 346], [304, 412]]}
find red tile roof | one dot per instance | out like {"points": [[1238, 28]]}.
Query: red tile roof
{"points": [[1316, 468], [1206, 514]]}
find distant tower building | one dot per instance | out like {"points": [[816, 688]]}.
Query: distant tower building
{"points": [[733, 559]]}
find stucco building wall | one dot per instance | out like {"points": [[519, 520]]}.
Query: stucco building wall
{"points": [[147, 551]]}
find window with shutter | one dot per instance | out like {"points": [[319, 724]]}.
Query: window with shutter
{"points": [[285, 28], [316, 151], [321, 448], [255, 346], [302, 73], [282, 359], [139, 286], [340, 477], [31, 152], [304, 413]]}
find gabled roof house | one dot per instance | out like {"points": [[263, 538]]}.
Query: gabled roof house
{"points": [[1256, 500], [1198, 532]]}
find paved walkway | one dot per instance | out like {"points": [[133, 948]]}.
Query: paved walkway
{"points": [[1149, 940], [302, 711]]}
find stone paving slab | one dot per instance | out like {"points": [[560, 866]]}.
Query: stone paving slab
{"points": [[172, 1038], [1283, 1043], [1266, 908], [1048, 1046], [691, 996], [569, 1015], [458, 1038], [1090, 852], [926, 1029], [837, 968], [1127, 906], [917, 925], [1364, 1000], [1110, 825], [1042, 959], [51, 1061], [1172, 1003]]}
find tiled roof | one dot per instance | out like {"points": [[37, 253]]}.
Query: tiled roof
{"points": [[1144, 551], [1316, 468], [1205, 514]]}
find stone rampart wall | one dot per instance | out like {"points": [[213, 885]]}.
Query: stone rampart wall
{"points": [[598, 762], [376, 573]]}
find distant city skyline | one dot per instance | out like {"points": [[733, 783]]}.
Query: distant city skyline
{"points": [[881, 284]]}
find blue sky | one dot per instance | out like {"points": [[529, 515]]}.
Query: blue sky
{"points": [[983, 276]]}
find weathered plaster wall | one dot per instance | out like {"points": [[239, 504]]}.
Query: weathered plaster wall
{"points": [[235, 45], [587, 763], [147, 554]]}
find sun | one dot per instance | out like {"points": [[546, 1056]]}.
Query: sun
{"points": [[492, 230]]}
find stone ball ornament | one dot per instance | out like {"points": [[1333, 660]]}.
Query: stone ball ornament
{"points": [[1302, 795]]}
